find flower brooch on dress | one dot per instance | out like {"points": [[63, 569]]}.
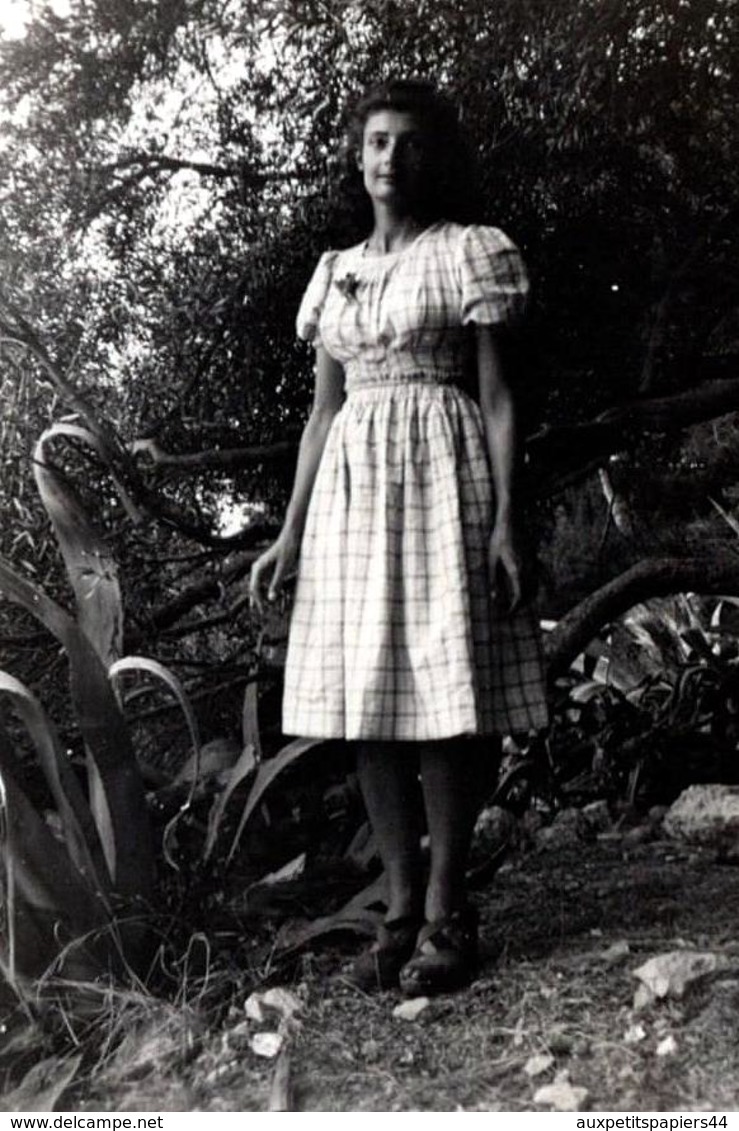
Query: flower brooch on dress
{"points": [[349, 285]]}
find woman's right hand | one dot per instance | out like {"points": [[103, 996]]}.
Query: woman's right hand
{"points": [[272, 569]]}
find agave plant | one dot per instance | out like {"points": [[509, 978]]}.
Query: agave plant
{"points": [[78, 883], [76, 897]]}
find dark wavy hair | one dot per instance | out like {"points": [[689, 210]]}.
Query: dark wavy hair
{"points": [[452, 193]]}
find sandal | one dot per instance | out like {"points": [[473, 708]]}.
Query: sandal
{"points": [[445, 957], [378, 967]]}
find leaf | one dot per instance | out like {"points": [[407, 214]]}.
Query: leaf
{"points": [[266, 774], [48, 902], [91, 568], [585, 692], [250, 735], [79, 830], [364, 923], [289, 871], [359, 915], [153, 667], [245, 766], [43, 1085], [117, 797], [728, 518], [363, 848], [65, 427]]}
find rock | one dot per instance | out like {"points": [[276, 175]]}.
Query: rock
{"points": [[253, 1008], [561, 1095], [412, 1009], [707, 815], [494, 828], [277, 999], [634, 1034], [267, 1044], [615, 953], [285, 1002], [668, 975], [538, 1065], [568, 830], [598, 816]]}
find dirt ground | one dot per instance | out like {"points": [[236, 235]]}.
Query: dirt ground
{"points": [[562, 931]]}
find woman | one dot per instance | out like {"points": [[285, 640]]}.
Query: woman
{"points": [[401, 518]]}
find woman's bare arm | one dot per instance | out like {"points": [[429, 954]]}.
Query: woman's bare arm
{"points": [[496, 405], [276, 563]]}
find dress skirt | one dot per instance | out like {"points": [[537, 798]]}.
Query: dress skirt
{"points": [[393, 635]]}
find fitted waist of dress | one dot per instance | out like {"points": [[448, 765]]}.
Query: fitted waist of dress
{"points": [[396, 379]]}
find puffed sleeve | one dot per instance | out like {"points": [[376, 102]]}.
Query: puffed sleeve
{"points": [[492, 277], [309, 312]]}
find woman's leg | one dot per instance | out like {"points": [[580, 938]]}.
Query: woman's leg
{"points": [[456, 776], [388, 776]]}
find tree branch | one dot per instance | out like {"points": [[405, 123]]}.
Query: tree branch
{"points": [[143, 164], [205, 589], [224, 459], [567, 448], [717, 574]]}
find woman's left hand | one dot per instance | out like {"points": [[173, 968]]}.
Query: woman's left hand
{"points": [[506, 570]]}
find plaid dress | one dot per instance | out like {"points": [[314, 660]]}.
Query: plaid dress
{"points": [[393, 635]]}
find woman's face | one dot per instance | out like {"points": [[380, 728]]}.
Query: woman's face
{"points": [[394, 158]]}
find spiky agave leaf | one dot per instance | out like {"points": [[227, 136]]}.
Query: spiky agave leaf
{"points": [[266, 774], [117, 798], [48, 902], [249, 760], [245, 766], [7, 888], [78, 827], [170, 680], [153, 667], [43, 1085], [250, 736], [361, 915], [91, 568]]}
